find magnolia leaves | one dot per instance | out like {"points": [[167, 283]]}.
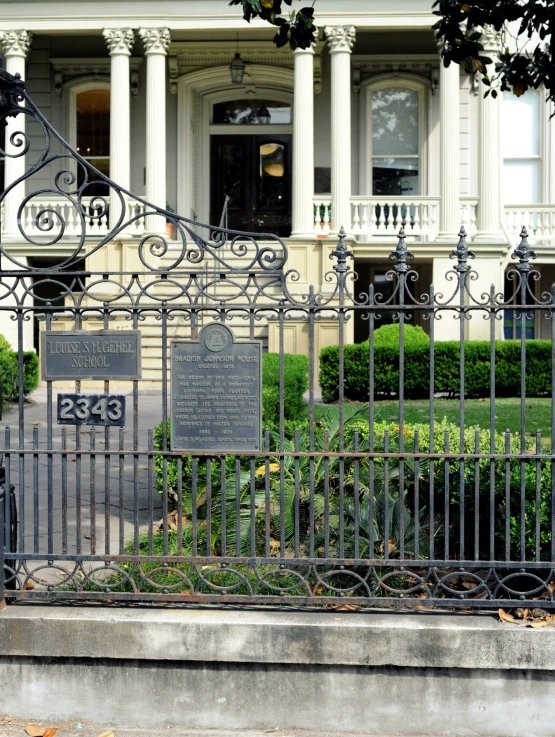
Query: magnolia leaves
{"points": [[298, 30]]}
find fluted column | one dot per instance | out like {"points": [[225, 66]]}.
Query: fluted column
{"points": [[303, 145], [120, 43], [341, 40], [450, 157], [156, 42], [489, 161], [15, 45]]}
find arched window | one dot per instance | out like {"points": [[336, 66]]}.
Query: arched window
{"points": [[92, 133], [394, 137]]}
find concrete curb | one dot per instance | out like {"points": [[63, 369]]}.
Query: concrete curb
{"points": [[288, 637]]}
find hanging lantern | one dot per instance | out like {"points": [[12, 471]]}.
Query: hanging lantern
{"points": [[237, 69]]}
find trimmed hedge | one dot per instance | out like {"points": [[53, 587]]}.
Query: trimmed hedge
{"points": [[447, 368], [295, 385], [9, 371]]}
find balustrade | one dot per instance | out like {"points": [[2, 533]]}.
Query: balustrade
{"points": [[539, 220], [39, 213]]}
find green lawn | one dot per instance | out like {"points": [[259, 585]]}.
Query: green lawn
{"points": [[507, 413]]}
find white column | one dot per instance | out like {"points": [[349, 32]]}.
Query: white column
{"points": [[156, 42], [341, 40], [120, 42], [303, 145], [490, 161], [449, 105], [15, 45]]}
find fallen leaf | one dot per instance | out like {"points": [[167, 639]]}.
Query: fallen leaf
{"points": [[29, 585], [50, 732], [346, 608], [33, 730], [269, 731], [107, 734]]}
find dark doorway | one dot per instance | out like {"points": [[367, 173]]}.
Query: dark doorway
{"points": [[255, 172]]}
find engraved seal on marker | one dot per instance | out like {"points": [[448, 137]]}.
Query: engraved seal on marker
{"points": [[216, 340]]}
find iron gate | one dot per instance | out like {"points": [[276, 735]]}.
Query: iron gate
{"points": [[341, 508]]}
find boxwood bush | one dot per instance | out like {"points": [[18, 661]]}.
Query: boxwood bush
{"points": [[447, 367], [295, 385], [9, 371]]}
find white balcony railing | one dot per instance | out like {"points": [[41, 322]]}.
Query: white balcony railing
{"points": [[96, 222], [376, 217], [381, 216], [539, 220]]}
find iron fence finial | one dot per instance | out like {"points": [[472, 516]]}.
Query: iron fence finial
{"points": [[462, 253], [523, 253], [341, 253], [401, 254]]}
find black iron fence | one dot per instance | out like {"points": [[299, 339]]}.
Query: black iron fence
{"points": [[188, 489]]}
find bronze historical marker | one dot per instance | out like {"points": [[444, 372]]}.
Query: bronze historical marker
{"points": [[216, 388]]}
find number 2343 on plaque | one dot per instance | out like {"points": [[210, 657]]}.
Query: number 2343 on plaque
{"points": [[91, 409]]}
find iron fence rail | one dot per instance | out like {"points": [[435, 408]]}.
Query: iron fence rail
{"points": [[340, 508]]}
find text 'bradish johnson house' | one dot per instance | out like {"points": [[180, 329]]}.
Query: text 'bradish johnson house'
{"points": [[367, 130]]}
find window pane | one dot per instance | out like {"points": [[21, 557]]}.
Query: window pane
{"points": [[521, 182], [521, 124], [93, 123], [273, 180], [252, 112], [395, 177], [395, 112], [231, 160]]}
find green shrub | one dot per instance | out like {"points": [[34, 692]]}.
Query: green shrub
{"points": [[295, 385], [386, 365], [447, 368], [9, 374], [337, 477], [4, 344], [30, 372]]}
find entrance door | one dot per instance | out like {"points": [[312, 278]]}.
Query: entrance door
{"points": [[255, 172]]}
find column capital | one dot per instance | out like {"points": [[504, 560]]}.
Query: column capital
{"points": [[16, 43], [491, 39], [155, 40], [340, 38], [119, 40]]}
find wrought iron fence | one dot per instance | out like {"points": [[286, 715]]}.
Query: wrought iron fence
{"points": [[337, 508]]}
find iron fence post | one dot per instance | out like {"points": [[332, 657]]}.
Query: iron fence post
{"points": [[2, 544]]}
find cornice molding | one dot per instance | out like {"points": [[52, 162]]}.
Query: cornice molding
{"points": [[92, 65], [366, 66], [189, 56], [16, 43], [67, 69]]}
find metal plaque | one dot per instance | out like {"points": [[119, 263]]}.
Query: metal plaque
{"points": [[91, 354], [91, 409], [216, 393]]}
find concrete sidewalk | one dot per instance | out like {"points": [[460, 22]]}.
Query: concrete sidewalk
{"points": [[15, 727]]}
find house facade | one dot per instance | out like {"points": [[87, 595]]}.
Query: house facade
{"points": [[366, 131]]}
